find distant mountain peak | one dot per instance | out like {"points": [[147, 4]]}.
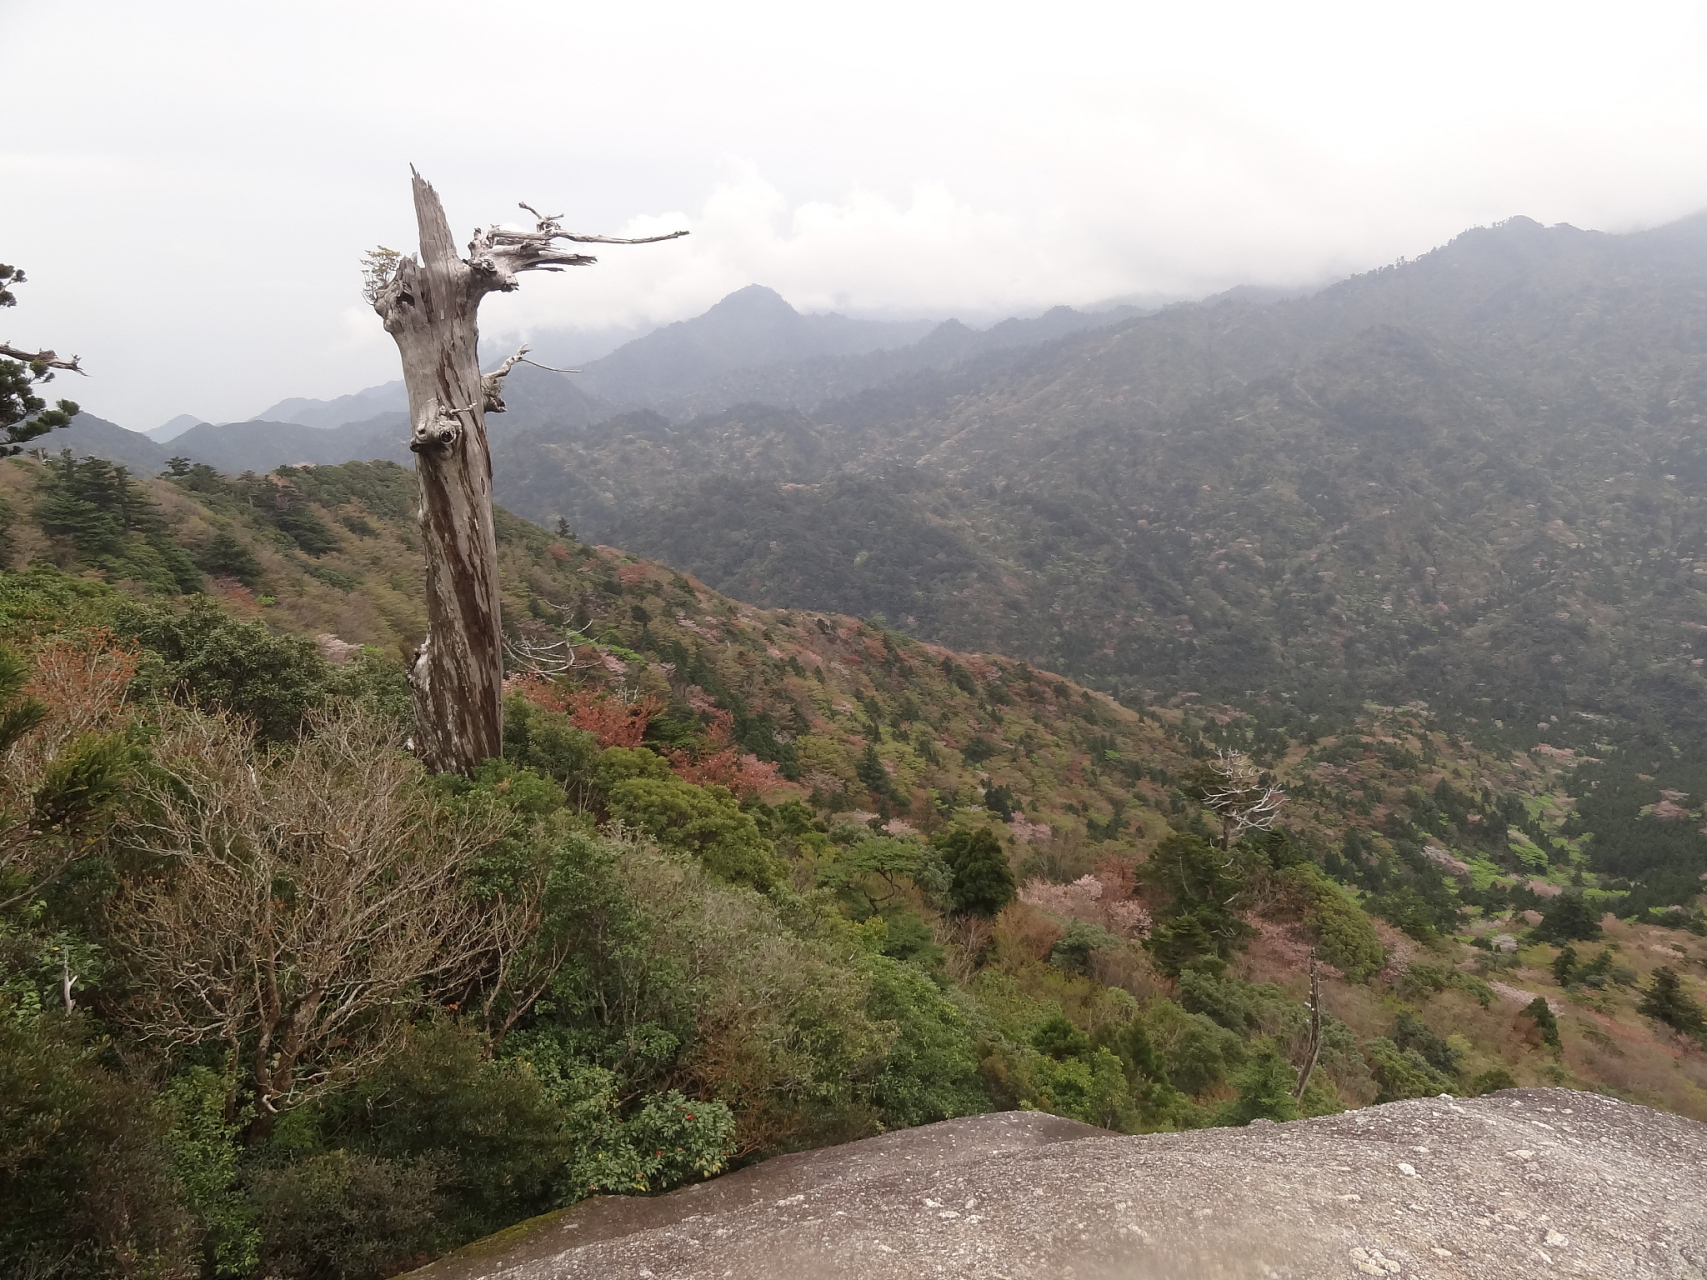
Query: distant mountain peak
{"points": [[755, 299], [176, 427]]}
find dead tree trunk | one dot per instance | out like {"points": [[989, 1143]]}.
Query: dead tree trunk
{"points": [[430, 307], [1313, 1050]]}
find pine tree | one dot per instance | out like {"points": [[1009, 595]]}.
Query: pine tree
{"points": [[981, 881], [1570, 918], [23, 414], [1541, 1014], [1265, 1089], [871, 772], [1666, 1001]]}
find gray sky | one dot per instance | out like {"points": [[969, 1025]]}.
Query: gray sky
{"points": [[190, 185]]}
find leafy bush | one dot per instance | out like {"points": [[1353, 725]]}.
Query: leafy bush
{"points": [[489, 1129], [1343, 932], [1541, 1014], [1411, 1032], [1197, 1053], [1490, 1081], [1082, 939], [931, 1070], [345, 1215], [981, 881], [1265, 1085], [204, 1149], [86, 1176], [1403, 1073], [704, 821], [208, 657]]}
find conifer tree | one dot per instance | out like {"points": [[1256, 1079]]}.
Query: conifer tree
{"points": [[1666, 1001], [23, 414], [982, 883]]}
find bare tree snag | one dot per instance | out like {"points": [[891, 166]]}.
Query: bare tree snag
{"points": [[1241, 800], [1313, 1048], [430, 307]]}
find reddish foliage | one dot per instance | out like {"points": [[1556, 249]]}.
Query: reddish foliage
{"points": [[558, 552], [722, 764], [83, 677], [613, 722], [1119, 877]]}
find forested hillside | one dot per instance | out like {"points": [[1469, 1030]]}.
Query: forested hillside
{"points": [[1473, 479], [746, 880]]}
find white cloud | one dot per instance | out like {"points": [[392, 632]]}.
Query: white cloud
{"points": [[190, 184]]}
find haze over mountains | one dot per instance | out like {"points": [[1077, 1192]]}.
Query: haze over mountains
{"points": [[751, 345], [1473, 478]]}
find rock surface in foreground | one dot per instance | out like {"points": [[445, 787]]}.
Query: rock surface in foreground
{"points": [[1531, 1182]]}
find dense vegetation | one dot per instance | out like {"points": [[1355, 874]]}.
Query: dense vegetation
{"points": [[745, 881], [1472, 479]]}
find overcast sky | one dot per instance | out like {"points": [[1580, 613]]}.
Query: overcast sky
{"points": [[190, 185]]}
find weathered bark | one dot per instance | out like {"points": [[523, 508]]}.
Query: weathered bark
{"points": [[1313, 1049], [458, 672], [430, 308]]}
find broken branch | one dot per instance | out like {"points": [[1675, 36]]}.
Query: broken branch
{"points": [[49, 359]]}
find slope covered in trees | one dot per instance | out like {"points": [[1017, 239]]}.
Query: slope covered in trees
{"points": [[1472, 479], [746, 880]]}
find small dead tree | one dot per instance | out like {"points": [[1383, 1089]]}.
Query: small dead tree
{"points": [[430, 307], [299, 909], [1313, 1047], [1239, 797]]}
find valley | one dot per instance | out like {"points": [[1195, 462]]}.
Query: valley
{"points": [[866, 713]]}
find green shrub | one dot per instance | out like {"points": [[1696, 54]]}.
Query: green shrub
{"points": [[1242, 1007], [658, 1141], [1403, 1073], [1265, 1085], [489, 1129], [1082, 939], [706, 822], [86, 1181], [345, 1215], [1344, 935], [1429, 979], [1198, 1054], [1541, 1014], [931, 1070], [1410, 1032], [546, 741], [218, 661], [204, 1147], [1059, 1039], [981, 881], [1490, 1081]]}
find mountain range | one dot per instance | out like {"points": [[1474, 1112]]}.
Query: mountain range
{"points": [[1473, 478]]}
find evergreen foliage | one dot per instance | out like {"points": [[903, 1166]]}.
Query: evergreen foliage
{"points": [[24, 415], [981, 881], [1546, 1023], [694, 964], [1666, 1001], [1569, 918]]}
